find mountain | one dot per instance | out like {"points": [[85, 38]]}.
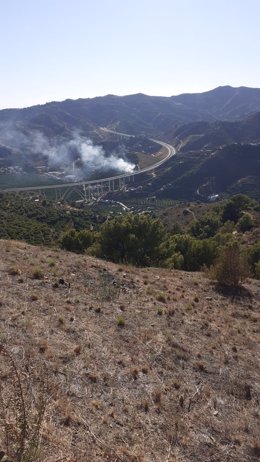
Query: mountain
{"points": [[136, 114], [224, 103], [209, 129]]}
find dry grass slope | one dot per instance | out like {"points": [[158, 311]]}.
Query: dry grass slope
{"points": [[143, 365]]}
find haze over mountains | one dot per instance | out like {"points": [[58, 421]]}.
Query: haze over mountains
{"points": [[195, 123]]}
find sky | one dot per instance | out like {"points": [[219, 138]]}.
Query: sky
{"points": [[51, 50]]}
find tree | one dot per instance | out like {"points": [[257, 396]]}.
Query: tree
{"points": [[206, 227], [201, 253], [134, 239], [235, 206], [195, 252]]}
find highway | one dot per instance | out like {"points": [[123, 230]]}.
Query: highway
{"points": [[171, 151]]}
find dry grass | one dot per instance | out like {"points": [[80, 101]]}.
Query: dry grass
{"points": [[182, 386]]}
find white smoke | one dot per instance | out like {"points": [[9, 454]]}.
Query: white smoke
{"points": [[88, 157], [77, 155], [94, 157]]}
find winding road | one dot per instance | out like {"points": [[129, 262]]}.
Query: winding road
{"points": [[170, 149]]}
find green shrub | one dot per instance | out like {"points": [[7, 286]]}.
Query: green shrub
{"points": [[176, 261], [231, 268], [257, 270], [254, 258], [245, 223], [227, 228], [77, 241], [201, 253], [206, 227], [235, 206], [120, 321], [195, 253]]}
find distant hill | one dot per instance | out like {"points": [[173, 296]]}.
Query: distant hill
{"points": [[137, 114], [209, 135], [224, 103]]}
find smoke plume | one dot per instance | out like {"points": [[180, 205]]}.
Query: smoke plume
{"points": [[76, 155], [86, 156]]}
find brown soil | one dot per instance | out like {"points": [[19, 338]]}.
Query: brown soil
{"points": [[144, 365]]}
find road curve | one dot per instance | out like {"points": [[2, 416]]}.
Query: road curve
{"points": [[171, 152]]}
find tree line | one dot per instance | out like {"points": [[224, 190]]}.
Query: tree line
{"points": [[141, 240]]}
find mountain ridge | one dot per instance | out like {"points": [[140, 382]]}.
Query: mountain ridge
{"points": [[225, 103]]}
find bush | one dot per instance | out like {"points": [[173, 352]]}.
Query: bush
{"points": [[201, 253], [245, 223], [22, 411], [257, 270], [235, 206], [77, 241], [120, 321], [227, 228], [254, 258], [176, 261], [231, 268], [206, 227], [191, 254]]}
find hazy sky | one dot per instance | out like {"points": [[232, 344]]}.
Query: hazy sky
{"points": [[58, 49]]}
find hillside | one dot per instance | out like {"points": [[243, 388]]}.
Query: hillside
{"points": [[142, 364], [196, 175], [209, 135]]}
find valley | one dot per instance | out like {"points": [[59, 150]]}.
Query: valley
{"points": [[105, 137]]}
